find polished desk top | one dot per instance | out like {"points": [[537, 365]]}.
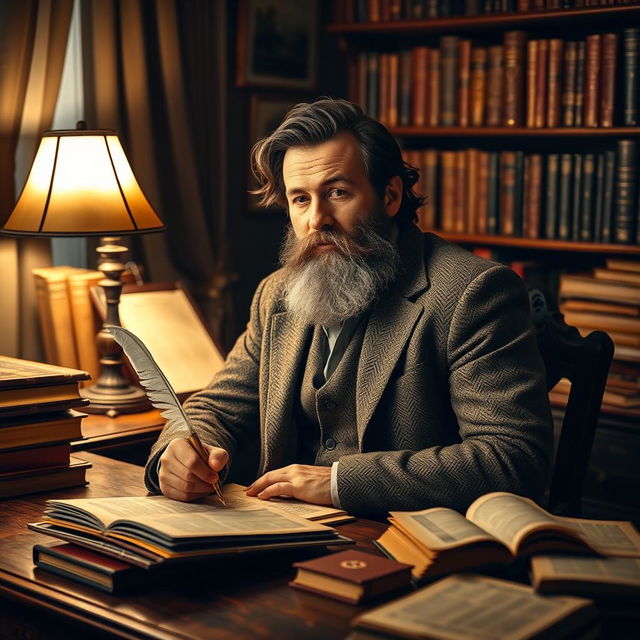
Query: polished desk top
{"points": [[245, 597]]}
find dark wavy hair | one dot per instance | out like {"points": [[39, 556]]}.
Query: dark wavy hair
{"points": [[308, 124]]}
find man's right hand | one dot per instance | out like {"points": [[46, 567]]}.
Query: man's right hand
{"points": [[183, 475]]}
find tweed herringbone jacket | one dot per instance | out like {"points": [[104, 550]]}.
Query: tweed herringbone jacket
{"points": [[450, 391]]}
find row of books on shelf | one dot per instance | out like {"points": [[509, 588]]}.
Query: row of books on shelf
{"points": [[348, 11], [38, 421], [539, 83], [587, 197]]}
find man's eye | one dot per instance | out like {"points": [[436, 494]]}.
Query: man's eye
{"points": [[337, 193], [300, 200]]}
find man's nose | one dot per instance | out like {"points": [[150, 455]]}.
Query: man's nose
{"points": [[320, 215]]}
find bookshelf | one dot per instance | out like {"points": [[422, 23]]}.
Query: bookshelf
{"points": [[373, 48]]}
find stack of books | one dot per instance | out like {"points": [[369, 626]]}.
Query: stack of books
{"points": [[608, 299], [519, 83], [582, 197], [37, 424]]}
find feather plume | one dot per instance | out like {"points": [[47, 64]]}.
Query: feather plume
{"points": [[155, 383]]}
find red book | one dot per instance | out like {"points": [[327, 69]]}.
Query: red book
{"points": [[419, 75], [553, 82], [464, 82], [609, 56], [351, 576], [592, 80], [514, 46], [541, 85], [35, 457]]}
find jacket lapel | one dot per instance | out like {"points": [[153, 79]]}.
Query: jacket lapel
{"points": [[390, 326]]}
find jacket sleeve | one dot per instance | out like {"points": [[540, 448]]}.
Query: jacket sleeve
{"points": [[498, 394], [226, 412]]}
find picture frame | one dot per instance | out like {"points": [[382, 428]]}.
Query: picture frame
{"points": [[278, 44], [266, 112]]}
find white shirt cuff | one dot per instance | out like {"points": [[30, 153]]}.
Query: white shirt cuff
{"points": [[334, 485]]}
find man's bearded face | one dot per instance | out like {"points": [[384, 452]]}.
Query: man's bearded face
{"points": [[333, 275]]}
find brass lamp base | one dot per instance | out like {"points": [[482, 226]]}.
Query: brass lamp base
{"points": [[112, 403]]}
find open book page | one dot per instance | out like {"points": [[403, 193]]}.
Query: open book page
{"points": [[611, 570], [182, 519], [438, 528], [510, 518], [461, 607], [609, 537]]}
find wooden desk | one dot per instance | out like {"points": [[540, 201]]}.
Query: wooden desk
{"points": [[243, 598]]}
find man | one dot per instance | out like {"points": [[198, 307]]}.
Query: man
{"points": [[381, 368]]}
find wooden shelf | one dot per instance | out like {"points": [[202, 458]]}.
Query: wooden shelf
{"points": [[485, 22], [551, 245], [514, 132]]}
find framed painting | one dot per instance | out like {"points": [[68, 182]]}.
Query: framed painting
{"points": [[277, 43]]}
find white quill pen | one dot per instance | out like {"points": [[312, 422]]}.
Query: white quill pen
{"points": [[158, 388]]}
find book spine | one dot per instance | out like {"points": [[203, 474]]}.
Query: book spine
{"points": [[464, 82], [533, 51], [471, 223], [460, 194], [592, 80], [580, 78], [607, 89], [514, 43], [564, 200], [495, 83], [599, 198], [551, 195], [507, 192], [448, 186], [534, 207], [372, 84], [587, 205], [577, 197], [493, 204], [541, 85], [478, 85], [625, 192], [384, 93], [375, 12], [404, 98], [431, 189], [554, 82], [448, 80], [569, 86], [363, 70], [394, 79], [482, 192], [85, 323], [419, 62], [607, 200], [631, 93], [518, 194], [433, 96]]}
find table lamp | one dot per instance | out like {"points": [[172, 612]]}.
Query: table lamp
{"points": [[81, 184]]}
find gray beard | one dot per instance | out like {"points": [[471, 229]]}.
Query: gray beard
{"points": [[337, 284]]}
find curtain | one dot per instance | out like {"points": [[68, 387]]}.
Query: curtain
{"points": [[33, 40], [156, 72]]}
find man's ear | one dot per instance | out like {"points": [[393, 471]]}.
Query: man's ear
{"points": [[392, 198]]}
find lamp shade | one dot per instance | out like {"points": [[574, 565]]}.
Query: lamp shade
{"points": [[81, 184]]}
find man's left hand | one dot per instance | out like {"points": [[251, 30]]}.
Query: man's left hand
{"points": [[302, 481]]}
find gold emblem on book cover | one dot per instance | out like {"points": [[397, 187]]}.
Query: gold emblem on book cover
{"points": [[353, 564]]}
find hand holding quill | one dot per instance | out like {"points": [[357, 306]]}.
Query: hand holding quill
{"points": [[159, 389]]}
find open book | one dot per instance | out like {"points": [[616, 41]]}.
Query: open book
{"points": [[150, 530], [498, 528]]}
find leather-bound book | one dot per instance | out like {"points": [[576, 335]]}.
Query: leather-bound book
{"points": [[554, 77], [552, 176], [533, 52], [541, 85], [447, 189], [384, 91], [495, 83], [404, 93], [576, 210], [472, 7], [523, 5], [433, 93], [460, 202], [565, 196], [493, 195], [432, 8], [375, 12], [581, 50], [352, 576], [514, 47], [394, 79], [430, 182], [478, 85], [598, 190], [471, 191], [518, 193], [395, 9], [482, 192], [631, 77], [448, 80], [373, 81], [593, 74], [419, 82], [625, 192], [417, 9], [569, 84], [587, 206], [507, 192], [533, 193], [464, 82], [607, 88], [363, 76], [607, 199]]}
